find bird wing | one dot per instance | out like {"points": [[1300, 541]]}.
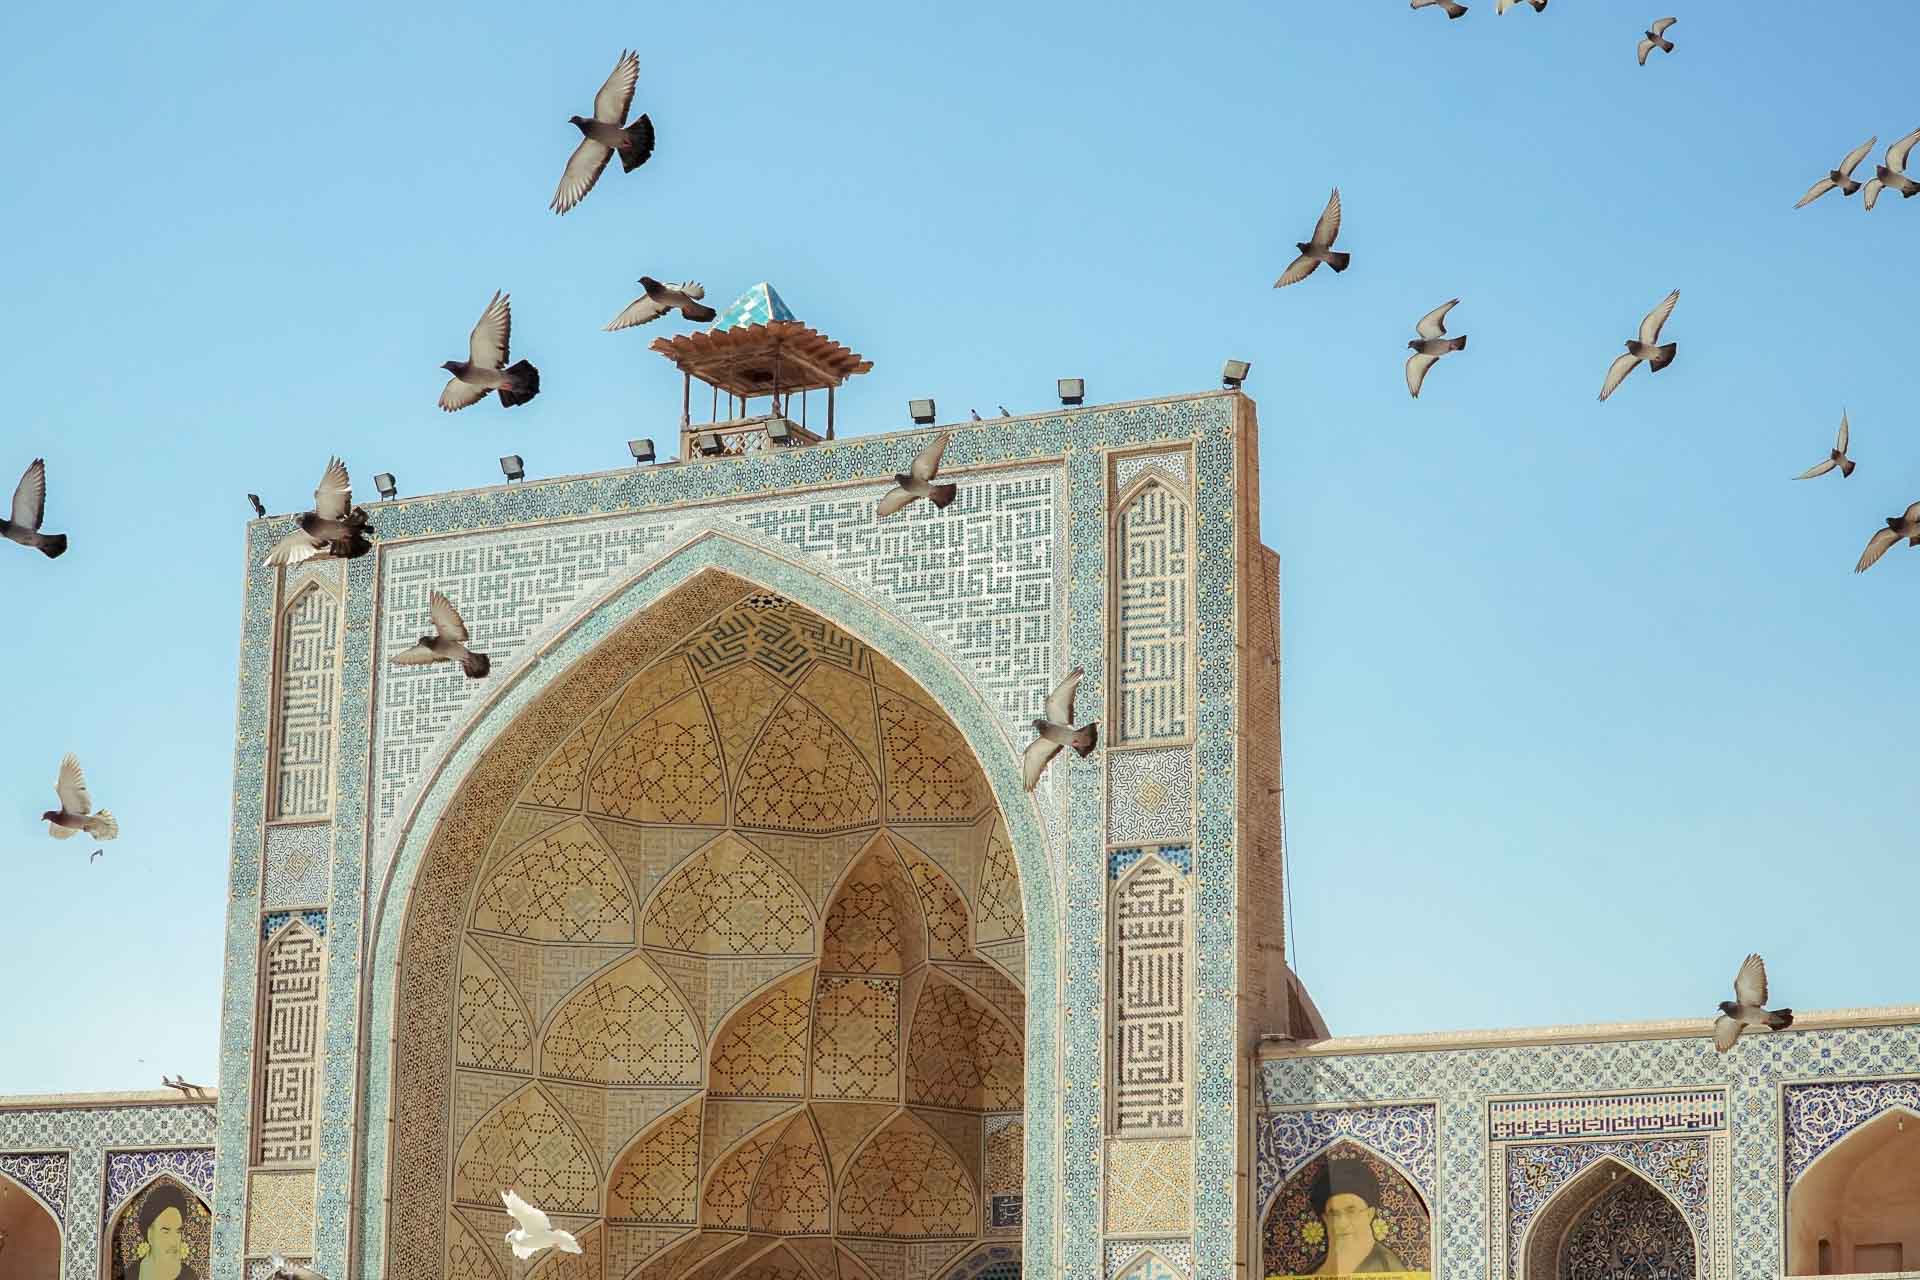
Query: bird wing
{"points": [[1297, 270], [1876, 547], [334, 497], [1870, 194], [1660, 28], [1725, 1032], [1898, 152], [1060, 701], [927, 464], [1840, 441], [691, 289], [1417, 366], [1650, 327], [30, 498], [582, 171], [1646, 47], [616, 95], [1622, 366], [1434, 323], [446, 619], [417, 656], [642, 310], [531, 1220], [458, 395], [293, 549], [1856, 155], [1328, 227], [1817, 469], [72, 787], [487, 344], [896, 499], [1750, 984], [1034, 760], [1814, 192]]}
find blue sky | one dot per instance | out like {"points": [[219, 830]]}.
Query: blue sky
{"points": [[1583, 701]]}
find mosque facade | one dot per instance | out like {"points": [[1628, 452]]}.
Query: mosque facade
{"points": [[718, 922]]}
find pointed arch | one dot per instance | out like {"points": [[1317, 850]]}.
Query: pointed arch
{"points": [[562, 885], [1543, 1244], [530, 1143], [1358, 1147], [1402, 1212], [1864, 1190], [805, 774], [287, 1093], [1149, 916], [874, 923], [960, 1052], [727, 1190], [761, 1050], [34, 1233], [1147, 1264], [730, 899], [657, 1177], [493, 1028], [904, 1180], [1151, 650], [195, 1232], [793, 1192], [626, 1025]]}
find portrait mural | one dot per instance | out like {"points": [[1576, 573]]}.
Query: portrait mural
{"points": [[163, 1233], [1347, 1212]]}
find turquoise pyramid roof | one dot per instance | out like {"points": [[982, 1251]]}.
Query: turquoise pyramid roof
{"points": [[758, 305]]}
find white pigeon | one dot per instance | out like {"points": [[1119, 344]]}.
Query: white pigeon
{"points": [[1841, 177], [485, 368], [605, 133], [1645, 347], [1894, 172], [75, 813], [662, 298], [1836, 457], [1431, 344], [1906, 525], [1453, 10], [335, 527], [1319, 248], [1656, 38], [284, 1270], [447, 642], [917, 481], [1748, 1007], [533, 1232], [1056, 731]]}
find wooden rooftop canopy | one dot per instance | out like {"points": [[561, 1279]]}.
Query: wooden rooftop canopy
{"points": [[765, 359]]}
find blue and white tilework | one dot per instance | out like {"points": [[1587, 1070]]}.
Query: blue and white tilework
{"points": [[296, 869], [1123, 1254], [1682, 1168], [1403, 1135], [1817, 1116], [274, 921], [1149, 795], [1120, 861], [42, 1172]]}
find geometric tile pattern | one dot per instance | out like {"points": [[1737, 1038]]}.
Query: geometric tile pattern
{"points": [[1682, 1169], [43, 1173], [309, 688], [959, 1054], [290, 1052], [656, 1180], [805, 775], [1150, 1000], [931, 774], [762, 1052], [1172, 466], [492, 1029], [1149, 1186], [626, 1027], [561, 886], [528, 1145], [1150, 796], [1630, 1230], [999, 897], [129, 1171], [856, 1039], [1121, 1254], [1153, 621], [1817, 1116], [1403, 1135], [666, 769], [297, 864], [730, 900], [280, 1214], [906, 1182]]}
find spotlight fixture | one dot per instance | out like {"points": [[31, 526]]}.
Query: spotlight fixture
{"points": [[921, 411], [642, 451], [1072, 390], [259, 509], [779, 431], [513, 468], [1234, 372], [384, 485], [707, 443]]}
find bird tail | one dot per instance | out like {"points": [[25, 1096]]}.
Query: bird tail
{"points": [[1459, 343], [54, 545], [1456, 11], [1086, 739], [564, 1241], [102, 825], [1339, 261], [1663, 356], [942, 494], [522, 385], [1779, 1019], [352, 547], [1848, 187], [637, 145], [475, 664], [1846, 467]]}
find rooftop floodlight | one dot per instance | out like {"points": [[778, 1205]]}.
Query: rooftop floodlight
{"points": [[1072, 390], [1234, 372], [384, 484], [707, 443], [642, 451], [779, 431], [921, 411], [513, 468]]}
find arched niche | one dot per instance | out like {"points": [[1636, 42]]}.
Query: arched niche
{"points": [[1609, 1220], [1293, 1235], [29, 1233], [167, 1219], [1862, 1198]]}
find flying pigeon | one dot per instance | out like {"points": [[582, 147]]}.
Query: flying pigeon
{"points": [[259, 508], [1655, 38], [1747, 1008], [1319, 249], [1657, 357], [1841, 177], [662, 298], [1453, 10], [335, 527], [29, 509], [284, 1270], [1539, 6], [446, 643], [1431, 344], [917, 481], [485, 368], [76, 813], [1056, 731], [1906, 525], [1836, 457], [1893, 172], [534, 1231], [604, 134]]}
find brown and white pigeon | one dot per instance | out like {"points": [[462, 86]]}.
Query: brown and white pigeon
{"points": [[1431, 344], [605, 133], [29, 510], [1539, 6], [1836, 456], [284, 1270], [532, 1230], [446, 643], [1656, 38], [75, 813], [1056, 731], [917, 481], [662, 298], [1841, 177], [1905, 525], [1645, 347], [1748, 1007], [1453, 10], [335, 527], [485, 368], [1319, 248], [1894, 172]]}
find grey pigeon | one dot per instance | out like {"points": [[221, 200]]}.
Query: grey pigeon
{"points": [[75, 813], [605, 133], [974, 414], [1003, 411], [485, 368], [1905, 525], [1748, 1007], [29, 509], [186, 1089], [662, 298], [1893, 172], [1453, 10], [1841, 177], [1655, 38], [1836, 456], [1431, 344], [446, 643], [532, 1230], [1056, 731], [917, 481], [284, 1270], [335, 527], [1645, 347], [259, 507], [1319, 249], [1539, 6]]}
